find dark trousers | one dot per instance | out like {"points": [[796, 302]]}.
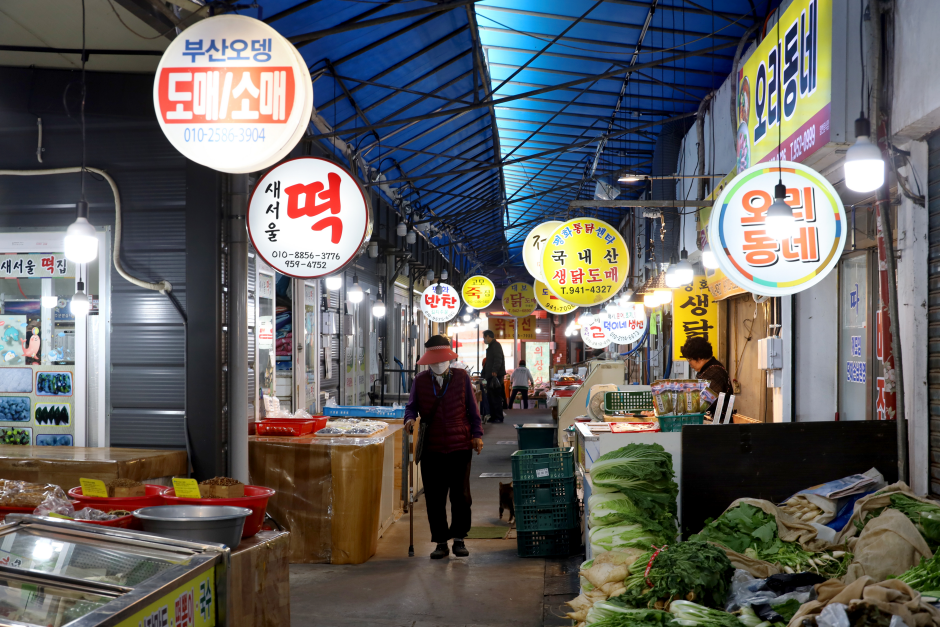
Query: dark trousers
{"points": [[443, 473], [497, 398], [525, 397]]}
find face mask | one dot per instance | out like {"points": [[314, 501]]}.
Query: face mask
{"points": [[440, 369]]}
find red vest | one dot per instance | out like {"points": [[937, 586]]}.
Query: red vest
{"points": [[449, 430]]}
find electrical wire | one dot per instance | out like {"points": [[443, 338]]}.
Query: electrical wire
{"points": [[193, 15]]}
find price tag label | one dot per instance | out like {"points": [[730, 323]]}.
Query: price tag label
{"points": [[186, 488], [541, 472], [94, 487]]}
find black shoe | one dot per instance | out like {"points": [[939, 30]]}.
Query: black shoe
{"points": [[460, 549], [441, 551]]}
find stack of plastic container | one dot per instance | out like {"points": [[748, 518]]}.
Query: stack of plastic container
{"points": [[546, 501]]}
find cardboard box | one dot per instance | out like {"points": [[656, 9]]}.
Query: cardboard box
{"points": [[121, 492], [222, 491]]}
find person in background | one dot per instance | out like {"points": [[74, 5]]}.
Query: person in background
{"points": [[698, 352], [520, 378], [444, 399], [493, 373]]}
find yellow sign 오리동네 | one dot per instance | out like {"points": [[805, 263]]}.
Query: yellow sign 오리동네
{"points": [[478, 292], [519, 300], [694, 314], [585, 261]]}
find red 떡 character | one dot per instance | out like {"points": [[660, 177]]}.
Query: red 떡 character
{"points": [[48, 264], [313, 192]]}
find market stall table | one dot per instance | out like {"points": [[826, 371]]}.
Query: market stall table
{"points": [[332, 492], [65, 465]]}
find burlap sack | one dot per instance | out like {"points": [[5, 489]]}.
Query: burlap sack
{"points": [[790, 529], [880, 499], [892, 596], [757, 568], [889, 545]]}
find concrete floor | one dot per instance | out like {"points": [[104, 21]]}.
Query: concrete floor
{"points": [[493, 587]]}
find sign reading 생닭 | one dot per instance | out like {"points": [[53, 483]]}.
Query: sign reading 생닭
{"points": [[694, 314]]}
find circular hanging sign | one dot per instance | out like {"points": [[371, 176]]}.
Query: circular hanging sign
{"points": [[232, 94], [549, 302], [585, 261], [756, 258], [626, 325], [534, 246], [308, 218], [519, 300], [441, 307], [596, 334], [478, 292]]}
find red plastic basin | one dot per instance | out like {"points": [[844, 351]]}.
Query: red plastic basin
{"points": [[255, 499], [122, 522], [154, 497]]}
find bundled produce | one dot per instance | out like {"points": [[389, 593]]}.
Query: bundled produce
{"points": [[676, 397], [693, 571], [802, 508], [925, 577], [753, 532], [624, 535], [690, 614], [925, 516], [641, 472], [614, 614], [613, 508], [601, 578]]}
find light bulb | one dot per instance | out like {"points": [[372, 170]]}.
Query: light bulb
{"points": [[50, 302], [780, 221], [378, 308], [467, 317], [538, 329], [80, 304], [438, 289], [406, 269], [429, 275], [864, 164], [629, 178], [651, 300], [411, 238], [373, 250], [354, 293], [334, 282], [672, 275], [611, 307], [625, 298], [444, 274], [577, 325], [81, 243], [401, 229], [708, 258], [663, 295], [684, 271]]}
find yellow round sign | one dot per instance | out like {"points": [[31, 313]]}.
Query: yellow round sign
{"points": [[551, 303], [585, 261], [534, 246], [478, 292], [519, 300]]}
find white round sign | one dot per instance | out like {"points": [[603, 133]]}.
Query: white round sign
{"points": [[596, 334], [440, 307], [760, 259], [626, 326], [232, 94], [534, 245], [308, 218]]}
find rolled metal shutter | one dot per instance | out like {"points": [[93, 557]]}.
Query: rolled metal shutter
{"points": [[933, 308]]}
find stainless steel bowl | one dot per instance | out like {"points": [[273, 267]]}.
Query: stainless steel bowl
{"points": [[196, 523]]}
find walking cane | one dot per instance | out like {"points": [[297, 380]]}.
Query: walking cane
{"points": [[411, 500]]}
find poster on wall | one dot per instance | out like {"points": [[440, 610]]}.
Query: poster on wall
{"points": [[37, 405], [585, 262], [441, 307], [308, 218], [232, 94], [537, 361], [694, 314], [764, 260], [788, 81]]}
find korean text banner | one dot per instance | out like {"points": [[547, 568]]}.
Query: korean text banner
{"points": [[519, 300], [585, 262], [479, 292], [527, 327], [695, 314], [788, 78], [441, 307]]}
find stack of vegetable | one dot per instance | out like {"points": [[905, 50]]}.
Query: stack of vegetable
{"points": [[925, 577], [749, 530], [925, 516]]}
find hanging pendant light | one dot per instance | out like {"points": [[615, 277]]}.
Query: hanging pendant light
{"points": [[586, 318], [651, 300], [378, 307], [672, 276], [406, 269], [864, 164], [80, 304], [684, 271], [708, 257], [780, 221], [444, 274], [411, 238], [81, 243], [334, 282], [402, 229], [354, 293], [438, 289], [429, 275]]}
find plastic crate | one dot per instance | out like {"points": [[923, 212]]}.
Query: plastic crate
{"points": [[543, 463], [536, 436], [556, 517], [548, 543], [669, 424], [545, 493], [628, 401]]}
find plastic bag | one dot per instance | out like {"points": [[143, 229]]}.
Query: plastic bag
{"points": [[748, 591], [833, 615], [57, 502], [90, 513]]}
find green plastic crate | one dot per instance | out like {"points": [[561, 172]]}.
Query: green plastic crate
{"points": [[544, 463], [628, 401], [671, 424], [544, 493], [555, 517], [536, 436], [548, 543]]}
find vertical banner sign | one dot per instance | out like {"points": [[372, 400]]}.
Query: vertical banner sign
{"points": [[519, 300], [626, 325], [502, 328], [322, 225], [232, 94], [478, 292], [585, 262], [762, 261], [788, 81], [534, 246], [441, 307], [886, 405], [694, 314], [597, 334], [549, 302], [527, 328], [536, 359]]}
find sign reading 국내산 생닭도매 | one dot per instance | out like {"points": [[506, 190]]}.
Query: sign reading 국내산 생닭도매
{"points": [[232, 94], [308, 218], [478, 292], [767, 262], [585, 261]]}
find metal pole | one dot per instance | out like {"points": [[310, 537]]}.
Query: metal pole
{"points": [[238, 332]]}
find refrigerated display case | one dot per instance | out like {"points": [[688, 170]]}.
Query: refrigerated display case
{"points": [[59, 573]]}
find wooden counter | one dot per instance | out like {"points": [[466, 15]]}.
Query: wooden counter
{"points": [[64, 465], [259, 581], [331, 493]]}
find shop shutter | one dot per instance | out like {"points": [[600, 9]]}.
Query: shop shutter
{"points": [[933, 308]]}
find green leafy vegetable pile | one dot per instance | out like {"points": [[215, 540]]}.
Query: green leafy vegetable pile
{"points": [[614, 614], [690, 614], [925, 577], [752, 531], [925, 516], [693, 571]]}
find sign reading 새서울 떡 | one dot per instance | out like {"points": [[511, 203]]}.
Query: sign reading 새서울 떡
{"points": [[757, 258], [788, 79], [440, 307], [626, 325], [596, 334], [308, 218], [519, 300], [34, 266], [694, 314], [478, 292], [549, 302], [232, 94], [534, 246], [585, 261]]}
